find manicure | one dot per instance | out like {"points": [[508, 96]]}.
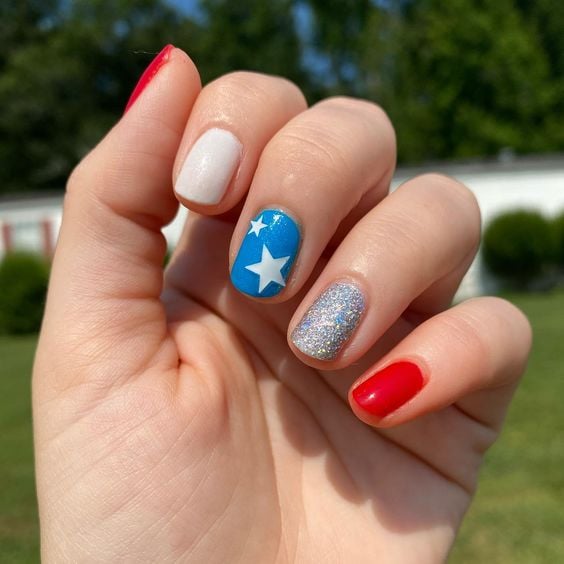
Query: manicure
{"points": [[209, 167], [389, 389], [266, 255], [148, 75], [330, 322]]}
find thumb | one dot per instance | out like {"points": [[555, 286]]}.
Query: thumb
{"points": [[103, 300]]}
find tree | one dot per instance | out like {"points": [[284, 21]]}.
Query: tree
{"points": [[519, 247], [22, 21], [23, 279], [469, 78], [68, 81], [546, 18], [337, 35], [459, 79], [252, 35], [70, 67]]}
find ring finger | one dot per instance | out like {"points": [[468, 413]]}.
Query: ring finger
{"points": [[409, 243]]}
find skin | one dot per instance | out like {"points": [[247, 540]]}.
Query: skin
{"points": [[173, 420]]}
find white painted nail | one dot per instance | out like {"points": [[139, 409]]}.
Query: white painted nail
{"points": [[209, 167]]}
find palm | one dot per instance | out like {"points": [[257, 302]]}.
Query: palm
{"points": [[243, 453]]}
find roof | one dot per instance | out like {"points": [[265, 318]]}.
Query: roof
{"points": [[507, 162]]}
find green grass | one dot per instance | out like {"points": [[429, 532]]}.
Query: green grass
{"points": [[517, 516], [518, 513], [18, 516]]}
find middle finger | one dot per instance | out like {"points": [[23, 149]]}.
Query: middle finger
{"points": [[336, 158]]}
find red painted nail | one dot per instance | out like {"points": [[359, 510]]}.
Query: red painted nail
{"points": [[148, 75], [389, 389]]}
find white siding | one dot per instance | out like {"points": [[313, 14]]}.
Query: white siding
{"points": [[498, 187], [497, 192]]}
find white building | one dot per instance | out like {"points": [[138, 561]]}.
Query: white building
{"points": [[32, 223]]}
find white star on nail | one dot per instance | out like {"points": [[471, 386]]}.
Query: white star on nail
{"points": [[256, 226], [268, 269]]}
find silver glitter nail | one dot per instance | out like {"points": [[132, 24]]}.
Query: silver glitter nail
{"points": [[330, 321]]}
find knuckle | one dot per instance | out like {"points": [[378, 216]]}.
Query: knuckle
{"points": [[402, 233], [370, 113], [514, 319], [458, 200], [254, 87], [468, 329], [365, 107], [452, 190], [284, 86], [305, 147], [235, 84], [331, 135], [489, 327], [368, 120]]}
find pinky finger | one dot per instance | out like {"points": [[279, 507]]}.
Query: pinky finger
{"points": [[472, 355]]}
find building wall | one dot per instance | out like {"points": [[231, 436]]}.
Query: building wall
{"points": [[33, 224], [499, 191], [30, 224]]}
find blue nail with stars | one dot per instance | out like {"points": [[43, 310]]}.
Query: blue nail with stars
{"points": [[266, 255]]}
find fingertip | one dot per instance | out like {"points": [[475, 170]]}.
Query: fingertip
{"points": [[169, 57], [515, 323], [178, 55], [208, 171]]}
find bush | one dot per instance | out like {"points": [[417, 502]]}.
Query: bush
{"points": [[519, 247], [23, 285], [558, 225]]}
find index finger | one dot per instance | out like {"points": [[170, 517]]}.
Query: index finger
{"points": [[232, 120]]}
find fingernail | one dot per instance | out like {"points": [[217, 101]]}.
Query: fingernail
{"points": [[148, 75], [330, 321], [389, 389], [266, 255], [209, 167]]}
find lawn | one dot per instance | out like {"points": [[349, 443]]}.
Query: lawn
{"points": [[518, 513], [18, 517], [517, 516]]}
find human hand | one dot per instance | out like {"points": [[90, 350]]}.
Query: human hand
{"points": [[174, 420]]}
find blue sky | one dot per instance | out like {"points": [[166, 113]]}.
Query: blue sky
{"points": [[314, 61], [188, 6]]}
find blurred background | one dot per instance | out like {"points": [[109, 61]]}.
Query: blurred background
{"points": [[475, 90]]}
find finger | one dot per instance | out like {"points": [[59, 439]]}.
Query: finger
{"points": [[471, 355], [416, 236], [232, 120], [440, 294], [107, 270], [311, 176]]}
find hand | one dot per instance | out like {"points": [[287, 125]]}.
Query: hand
{"points": [[174, 420]]}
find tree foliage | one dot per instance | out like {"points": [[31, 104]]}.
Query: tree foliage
{"points": [[519, 246], [460, 78], [558, 225], [23, 280], [472, 78], [249, 35]]}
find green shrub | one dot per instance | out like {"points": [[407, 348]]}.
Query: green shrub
{"points": [[558, 225], [519, 247], [23, 284]]}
